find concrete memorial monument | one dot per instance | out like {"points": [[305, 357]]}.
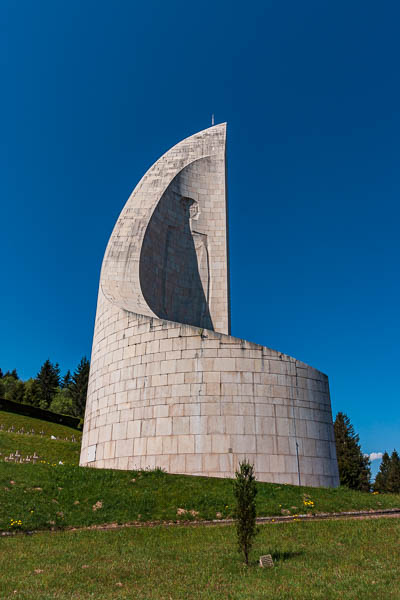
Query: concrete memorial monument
{"points": [[169, 386]]}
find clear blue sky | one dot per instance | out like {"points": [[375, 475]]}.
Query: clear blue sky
{"points": [[94, 92]]}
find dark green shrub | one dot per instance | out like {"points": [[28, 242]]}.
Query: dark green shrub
{"points": [[245, 490]]}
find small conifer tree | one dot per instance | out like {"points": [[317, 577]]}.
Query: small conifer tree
{"points": [[79, 386], [48, 380], [245, 491], [66, 380], [393, 476], [380, 484]]}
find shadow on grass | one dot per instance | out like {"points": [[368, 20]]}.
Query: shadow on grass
{"points": [[277, 557], [282, 556]]}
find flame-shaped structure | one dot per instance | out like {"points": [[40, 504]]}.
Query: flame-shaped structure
{"points": [[169, 386]]}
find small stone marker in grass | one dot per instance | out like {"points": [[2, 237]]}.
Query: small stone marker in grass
{"points": [[266, 561]]}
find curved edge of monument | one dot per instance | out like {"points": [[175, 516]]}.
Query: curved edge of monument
{"points": [[197, 167], [197, 402]]}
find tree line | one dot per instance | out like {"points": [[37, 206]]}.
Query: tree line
{"points": [[48, 390], [355, 467], [388, 478]]}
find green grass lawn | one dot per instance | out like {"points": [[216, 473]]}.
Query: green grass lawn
{"points": [[45, 496], [49, 495], [356, 560], [50, 451], [312, 560]]}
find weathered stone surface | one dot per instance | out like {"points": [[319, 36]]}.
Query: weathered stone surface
{"points": [[169, 386], [266, 561]]}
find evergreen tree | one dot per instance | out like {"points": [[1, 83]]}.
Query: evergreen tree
{"points": [[48, 379], [32, 393], [79, 387], [393, 476], [1, 374], [12, 374], [354, 467], [66, 380], [245, 491], [380, 484]]}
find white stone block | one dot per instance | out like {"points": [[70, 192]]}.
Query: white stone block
{"points": [[261, 464], [148, 427], [186, 444], [202, 444], [283, 445], [220, 443], [216, 424], [243, 443], [177, 463], [210, 408], [277, 463], [123, 448], [234, 424], [164, 426], [105, 433], [161, 410], [193, 463], [265, 425], [154, 445], [211, 462], [198, 425], [180, 425], [226, 464], [133, 429], [176, 410], [266, 444], [119, 431], [109, 450], [170, 444], [93, 436], [140, 446]]}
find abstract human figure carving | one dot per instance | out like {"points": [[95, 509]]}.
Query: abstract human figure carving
{"points": [[177, 293], [169, 386]]}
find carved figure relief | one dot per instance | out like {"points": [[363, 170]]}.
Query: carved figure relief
{"points": [[177, 255]]}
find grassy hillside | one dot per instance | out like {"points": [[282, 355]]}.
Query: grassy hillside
{"points": [[45, 496], [9, 419], [318, 560], [47, 449]]}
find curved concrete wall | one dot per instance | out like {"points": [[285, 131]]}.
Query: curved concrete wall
{"points": [[167, 390]]}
